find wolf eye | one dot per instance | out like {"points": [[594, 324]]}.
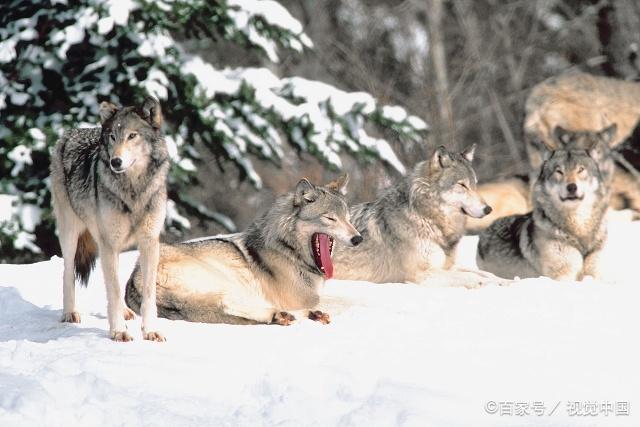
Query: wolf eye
{"points": [[330, 218], [463, 185], [132, 135], [581, 169], [112, 136], [559, 172]]}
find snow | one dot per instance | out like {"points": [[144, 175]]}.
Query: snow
{"points": [[6, 207], [243, 12], [119, 10], [394, 354], [174, 216], [20, 156], [305, 102], [8, 50]]}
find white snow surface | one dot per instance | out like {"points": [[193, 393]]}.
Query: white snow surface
{"points": [[394, 355]]}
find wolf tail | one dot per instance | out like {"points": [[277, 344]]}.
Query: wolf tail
{"points": [[85, 259], [132, 296]]}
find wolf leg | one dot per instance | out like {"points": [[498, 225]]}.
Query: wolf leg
{"points": [[592, 265], [69, 229], [559, 261], [149, 256], [115, 302]]}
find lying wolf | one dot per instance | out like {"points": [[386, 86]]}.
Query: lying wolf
{"points": [[109, 191], [268, 273], [412, 231], [583, 102], [563, 236]]}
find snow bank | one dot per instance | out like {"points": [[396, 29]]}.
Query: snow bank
{"points": [[394, 355]]}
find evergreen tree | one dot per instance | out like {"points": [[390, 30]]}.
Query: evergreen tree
{"points": [[60, 58]]}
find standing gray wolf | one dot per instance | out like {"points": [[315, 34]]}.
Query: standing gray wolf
{"points": [[563, 236], [583, 102], [412, 231], [109, 191], [263, 275]]}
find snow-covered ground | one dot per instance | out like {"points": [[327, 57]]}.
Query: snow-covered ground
{"points": [[395, 355]]}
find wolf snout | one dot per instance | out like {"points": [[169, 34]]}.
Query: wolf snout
{"points": [[116, 162], [356, 240], [572, 188], [487, 209]]}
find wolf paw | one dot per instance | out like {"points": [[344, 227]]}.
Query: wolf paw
{"points": [[283, 318], [474, 285], [121, 336], [129, 314], [72, 317], [154, 336], [319, 316]]}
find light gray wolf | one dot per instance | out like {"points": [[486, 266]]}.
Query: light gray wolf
{"points": [[109, 191], [411, 232], [579, 101], [270, 273], [564, 235], [508, 196]]}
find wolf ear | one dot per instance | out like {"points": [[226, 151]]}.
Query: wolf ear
{"points": [[562, 136], [340, 184], [469, 152], [305, 193], [547, 153], [107, 110], [151, 112], [599, 150], [607, 134], [441, 158]]}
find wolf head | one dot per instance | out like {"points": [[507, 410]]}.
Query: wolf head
{"points": [[130, 133], [323, 217], [580, 171], [448, 180]]}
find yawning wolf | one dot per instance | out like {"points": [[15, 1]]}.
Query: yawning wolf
{"points": [[268, 273]]}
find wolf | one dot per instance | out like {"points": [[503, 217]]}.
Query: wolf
{"points": [[270, 273], [563, 236], [411, 232], [579, 101], [108, 188]]}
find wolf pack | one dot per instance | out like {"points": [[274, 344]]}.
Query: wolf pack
{"points": [[109, 194]]}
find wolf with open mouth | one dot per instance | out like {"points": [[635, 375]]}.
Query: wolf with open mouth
{"points": [[269, 273]]}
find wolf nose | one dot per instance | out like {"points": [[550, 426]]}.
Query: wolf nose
{"points": [[116, 162], [572, 187], [356, 240], [487, 210]]}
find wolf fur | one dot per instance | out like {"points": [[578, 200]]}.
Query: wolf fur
{"points": [[109, 191], [266, 274], [564, 235], [412, 231], [583, 102]]}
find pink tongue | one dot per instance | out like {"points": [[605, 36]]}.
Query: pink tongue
{"points": [[325, 255]]}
